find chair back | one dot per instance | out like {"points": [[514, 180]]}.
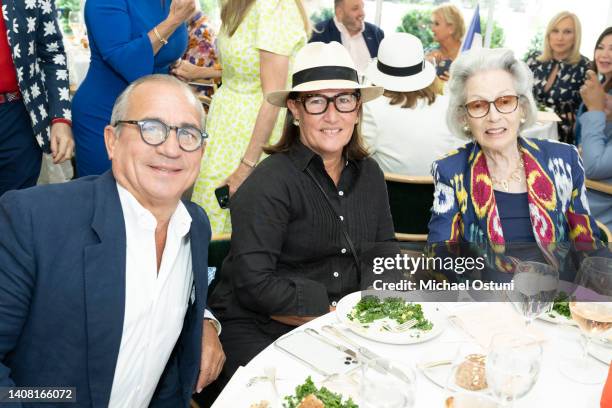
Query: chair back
{"points": [[410, 199], [218, 248], [604, 232]]}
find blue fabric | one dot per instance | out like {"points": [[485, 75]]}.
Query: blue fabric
{"points": [[62, 292], [514, 216], [121, 52], [326, 31], [20, 155], [597, 155], [38, 54]]}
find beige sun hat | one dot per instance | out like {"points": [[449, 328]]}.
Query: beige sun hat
{"points": [[321, 66]]}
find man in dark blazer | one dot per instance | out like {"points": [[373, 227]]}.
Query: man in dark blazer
{"points": [[349, 28], [103, 280], [34, 93]]}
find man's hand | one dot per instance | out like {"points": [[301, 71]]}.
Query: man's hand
{"points": [[62, 143], [213, 356], [592, 92]]}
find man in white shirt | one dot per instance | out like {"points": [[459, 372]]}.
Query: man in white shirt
{"points": [[349, 28], [103, 280]]}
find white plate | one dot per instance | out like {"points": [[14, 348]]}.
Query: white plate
{"points": [[601, 352], [377, 333], [554, 317]]}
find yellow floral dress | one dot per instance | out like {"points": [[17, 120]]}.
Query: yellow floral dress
{"points": [[271, 25]]}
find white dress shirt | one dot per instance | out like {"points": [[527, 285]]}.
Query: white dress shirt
{"points": [[155, 303], [407, 140], [356, 46]]}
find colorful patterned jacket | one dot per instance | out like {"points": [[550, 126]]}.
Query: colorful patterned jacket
{"points": [[464, 208]]}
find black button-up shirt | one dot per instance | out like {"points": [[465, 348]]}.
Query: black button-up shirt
{"points": [[288, 253]]}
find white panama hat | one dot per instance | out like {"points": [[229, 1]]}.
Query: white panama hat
{"points": [[401, 64], [321, 66]]}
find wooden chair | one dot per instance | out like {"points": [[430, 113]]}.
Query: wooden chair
{"points": [[604, 233], [599, 186], [217, 251], [410, 199]]}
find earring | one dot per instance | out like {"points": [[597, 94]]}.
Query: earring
{"points": [[466, 129], [523, 120], [296, 122]]}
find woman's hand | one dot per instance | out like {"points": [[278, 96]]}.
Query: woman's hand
{"points": [[181, 10], [592, 92], [293, 320], [186, 71], [235, 180]]}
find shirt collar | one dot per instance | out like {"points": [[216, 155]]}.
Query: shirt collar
{"points": [[180, 221], [341, 27], [301, 156]]}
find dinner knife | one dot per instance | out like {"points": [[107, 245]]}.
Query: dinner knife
{"points": [[337, 346], [381, 363], [366, 353]]}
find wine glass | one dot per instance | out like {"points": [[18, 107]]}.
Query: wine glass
{"points": [[535, 288], [513, 365], [466, 384], [387, 384], [591, 309]]}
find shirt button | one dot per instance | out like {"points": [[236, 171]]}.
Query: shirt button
{"points": [[341, 218], [334, 303], [340, 193], [343, 250], [336, 274]]}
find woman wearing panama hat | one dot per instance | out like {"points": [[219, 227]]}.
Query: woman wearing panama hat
{"points": [[306, 213], [405, 129]]}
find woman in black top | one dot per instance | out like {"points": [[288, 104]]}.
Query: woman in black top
{"points": [[290, 260], [559, 71]]}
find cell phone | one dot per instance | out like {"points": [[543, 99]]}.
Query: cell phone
{"points": [[223, 197], [443, 66]]}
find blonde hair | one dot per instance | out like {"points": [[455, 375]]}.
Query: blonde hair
{"points": [[574, 56], [452, 16], [408, 100], [233, 13]]}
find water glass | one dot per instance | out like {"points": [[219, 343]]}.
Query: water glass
{"points": [[387, 384], [535, 288], [513, 366]]}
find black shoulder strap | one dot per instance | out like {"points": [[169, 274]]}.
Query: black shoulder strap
{"points": [[342, 225]]}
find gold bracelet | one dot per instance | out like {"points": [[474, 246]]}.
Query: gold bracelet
{"points": [[248, 162], [161, 39]]}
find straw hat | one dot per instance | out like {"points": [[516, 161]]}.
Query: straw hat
{"points": [[321, 66], [401, 64]]}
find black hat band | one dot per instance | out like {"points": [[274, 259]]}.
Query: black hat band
{"points": [[401, 71], [324, 73]]}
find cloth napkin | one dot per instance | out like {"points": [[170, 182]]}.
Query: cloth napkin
{"points": [[484, 320]]}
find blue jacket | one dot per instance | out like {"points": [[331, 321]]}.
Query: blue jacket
{"points": [[62, 292], [465, 210], [38, 54], [326, 31]]}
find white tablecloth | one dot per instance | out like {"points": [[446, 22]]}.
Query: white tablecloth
{"points": [[552, 389]]}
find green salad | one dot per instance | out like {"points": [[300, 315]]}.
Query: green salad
{"points": [[371, 308], [328, 398], [561, 305]]}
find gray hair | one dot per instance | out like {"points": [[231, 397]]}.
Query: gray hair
{"points": [[474, 61], [120, 107]]}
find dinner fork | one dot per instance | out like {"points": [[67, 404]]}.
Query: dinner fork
{"points": [[409, 324]]}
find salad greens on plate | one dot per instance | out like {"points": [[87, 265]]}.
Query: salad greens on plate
{"points": [[371, 308], [325, 396]]}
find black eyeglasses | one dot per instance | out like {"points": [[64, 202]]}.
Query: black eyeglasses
{"points": [[503, 104], [155, 132], [317, 104]]}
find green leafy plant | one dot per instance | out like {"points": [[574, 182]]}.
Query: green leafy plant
{"points": [[497, 36], [322, 15], [65, 7], [536, 44], [418, 22]]}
